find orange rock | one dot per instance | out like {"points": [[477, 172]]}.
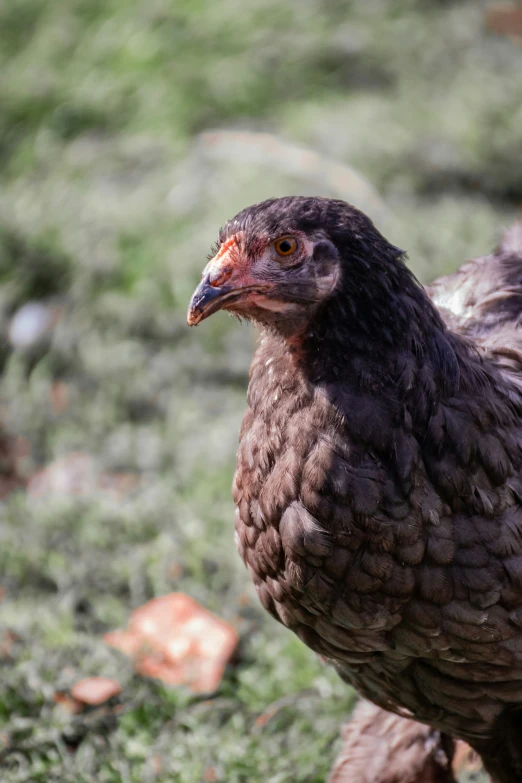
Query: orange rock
{"points": [[177, 641], [127, 642], [505, 19], [95, 690]]}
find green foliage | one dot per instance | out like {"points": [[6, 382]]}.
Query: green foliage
{"points": [[36, 267]]}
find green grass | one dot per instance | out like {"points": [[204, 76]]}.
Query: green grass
{"points": [[108, 206]]}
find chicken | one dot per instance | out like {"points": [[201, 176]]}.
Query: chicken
{"points": [[378, 489]]}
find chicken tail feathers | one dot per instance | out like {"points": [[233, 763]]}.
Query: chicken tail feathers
{"points": [[482, 301]]}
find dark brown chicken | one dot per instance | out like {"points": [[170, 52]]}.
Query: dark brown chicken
{"points": [[378, 488]]}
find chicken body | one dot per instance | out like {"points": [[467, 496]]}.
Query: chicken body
{"points": [[378, 489]]}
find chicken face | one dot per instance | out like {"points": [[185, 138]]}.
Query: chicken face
{"points": [[276, 275]]}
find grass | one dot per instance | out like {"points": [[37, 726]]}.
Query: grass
{"points": [[107, 208]]}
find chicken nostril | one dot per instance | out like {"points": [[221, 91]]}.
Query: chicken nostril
{"points": [[219, 276]]}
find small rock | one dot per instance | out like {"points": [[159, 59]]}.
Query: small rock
{"points": [[29, 324], [95, 690], [177, 641]]}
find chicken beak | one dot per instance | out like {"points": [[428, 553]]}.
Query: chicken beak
{"points": [[207, 299]]}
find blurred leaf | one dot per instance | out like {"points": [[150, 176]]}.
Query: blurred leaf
{"points": [[94, 691], [175, 640]]}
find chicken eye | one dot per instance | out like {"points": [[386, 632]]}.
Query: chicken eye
{"points": [[285, 246]]}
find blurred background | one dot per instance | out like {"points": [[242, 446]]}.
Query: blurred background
{"points": [[129, 132]]}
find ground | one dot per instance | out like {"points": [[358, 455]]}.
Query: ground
{"points": [[109, 203]]}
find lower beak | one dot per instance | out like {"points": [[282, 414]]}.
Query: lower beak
{"points": [[207, 299]]}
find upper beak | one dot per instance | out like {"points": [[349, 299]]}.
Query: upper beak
{"points": [[207, 299]]}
